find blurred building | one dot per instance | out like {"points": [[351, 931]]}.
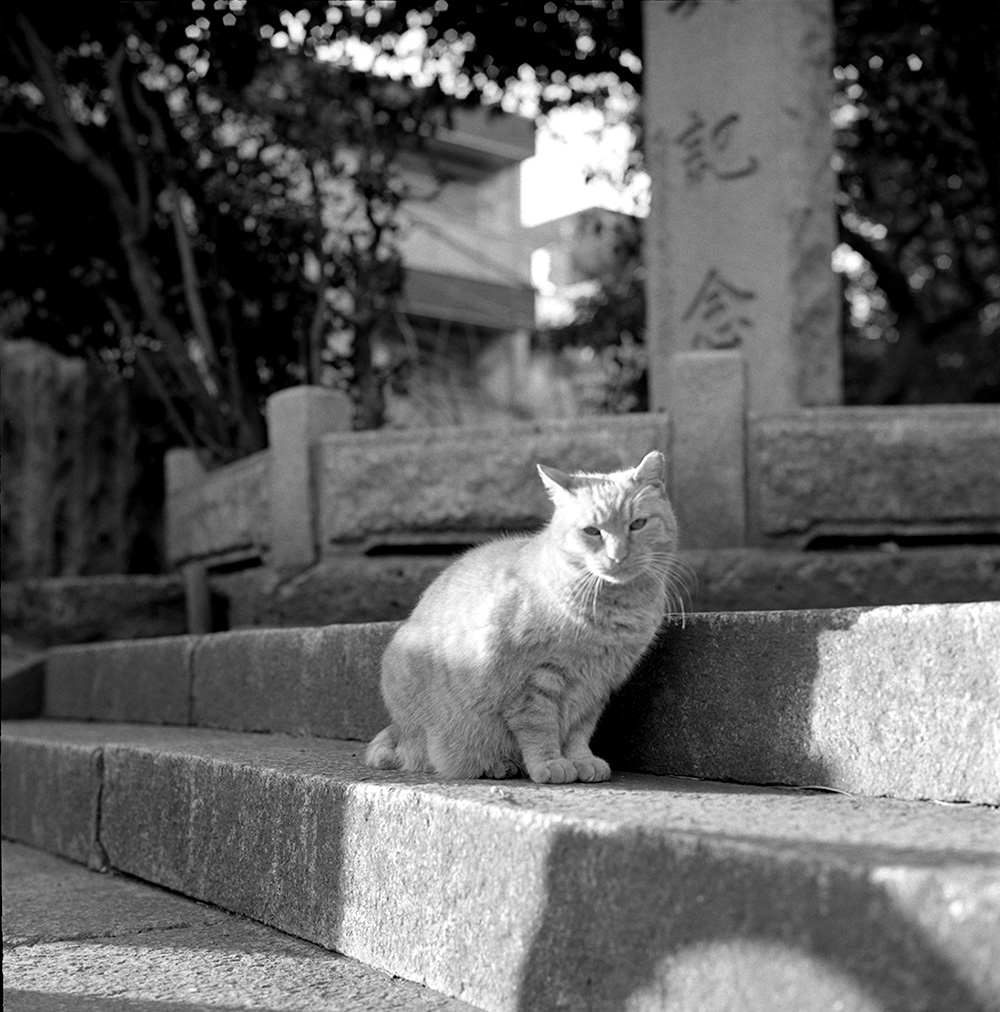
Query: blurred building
{"points": [[571, 253], [480, 286], [467, 311]]}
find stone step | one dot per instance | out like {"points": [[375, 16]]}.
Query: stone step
{"points": [[644, 893], [354, 587], [899, 701], [385, 585], [78, 941]]}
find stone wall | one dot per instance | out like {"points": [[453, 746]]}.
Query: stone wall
{"points": [[855, 473], [737, 478], [421, 486], [70, 493]]}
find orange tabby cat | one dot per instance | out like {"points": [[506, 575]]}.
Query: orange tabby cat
{"points": [[511, 653]]}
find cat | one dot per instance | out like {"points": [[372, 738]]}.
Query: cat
{"points": [[509, 656]]}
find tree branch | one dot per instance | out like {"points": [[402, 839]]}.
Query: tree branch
{"points": [[74, 144], [192, 287], [143, 275], [153, 377], [313, 357], [130, 141], [890, 278]]}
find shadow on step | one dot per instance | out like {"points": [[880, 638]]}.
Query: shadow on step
{"points": [[727, 929], [726, 699]]}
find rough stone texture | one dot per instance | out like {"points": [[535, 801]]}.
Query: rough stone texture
{"points": [[51, 792], [342, 588], [47, 899], [358, 588], [709, 448], [296, 418], [422, 484], [303, 681], [73, 496], [637, 893], [147, 681], [737, 113], [897, 701], [82, 609], [227, 513], [74, 940], [775, 580], [857, 471]]}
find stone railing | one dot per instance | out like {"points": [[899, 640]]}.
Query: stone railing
{"points": [[737, 477]]}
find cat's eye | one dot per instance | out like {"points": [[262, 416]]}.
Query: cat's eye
{"points": [[592, 532], [637, 524]]}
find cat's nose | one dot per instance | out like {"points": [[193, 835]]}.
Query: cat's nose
{"points": [[616, 552]]}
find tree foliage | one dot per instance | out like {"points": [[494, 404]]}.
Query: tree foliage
{"points": [[221, 203], [918, 140], [227, 200]]}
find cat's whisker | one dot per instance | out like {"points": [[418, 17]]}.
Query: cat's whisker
{"points": [[679, 594], [673, 573], [597, 590]]}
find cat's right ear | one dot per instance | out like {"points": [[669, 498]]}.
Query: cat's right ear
{"points": [[556, 482], [651, 471]]}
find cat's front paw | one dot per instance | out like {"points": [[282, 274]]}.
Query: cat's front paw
{"points": [[503, 770], [553, 771], [592, 770]]}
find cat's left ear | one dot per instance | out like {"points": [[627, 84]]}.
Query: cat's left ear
{"points": [[652, 471], [556, 482]]}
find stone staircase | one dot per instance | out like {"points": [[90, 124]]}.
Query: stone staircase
{"points": [[226, 768]]}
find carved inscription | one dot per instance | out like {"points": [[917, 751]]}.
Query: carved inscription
{"points": [[710, 150], [718, 316]]}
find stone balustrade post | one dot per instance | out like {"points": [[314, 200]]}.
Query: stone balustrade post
{"points": [[183, 471], [708, 450], [296, 418]]}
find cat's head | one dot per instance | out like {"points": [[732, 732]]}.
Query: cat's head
{"points": [[618, 526]]}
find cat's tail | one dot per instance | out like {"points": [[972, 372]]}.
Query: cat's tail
{"points": [[381, 752]]}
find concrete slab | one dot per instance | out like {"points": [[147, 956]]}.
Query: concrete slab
{"points": [[51, 793], [417, 484], [228, 511], [74, 940], [521, 896], [777, 580], [888, 701], [898, 701], [856, 471], [139, 680], [49, 899], [303, 681]]}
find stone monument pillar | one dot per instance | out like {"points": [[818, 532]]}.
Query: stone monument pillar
{"points": [[742, 227]]}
